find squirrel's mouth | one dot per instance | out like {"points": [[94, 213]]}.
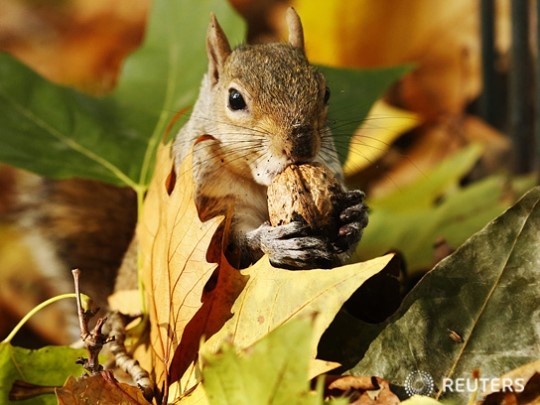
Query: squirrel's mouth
{"points": [[266, 171]]}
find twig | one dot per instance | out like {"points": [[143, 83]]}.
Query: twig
{"points": [[93, 340], [111, 329]]}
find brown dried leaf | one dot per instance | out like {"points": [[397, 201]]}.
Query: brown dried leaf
{"points": [[348, 382], [22, 287], [530, 395], [101, 388], [361, 390], [8, 178], [525, 383]]}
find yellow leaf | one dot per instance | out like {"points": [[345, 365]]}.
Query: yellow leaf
{"points": [[442, 39], [318, 367], [381, 33], [195, 397], [173, 244], [128, 302], [383, 125], [273, 296]]}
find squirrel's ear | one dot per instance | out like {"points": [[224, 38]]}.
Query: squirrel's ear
{"points": [[218, 48], [296, 33]]}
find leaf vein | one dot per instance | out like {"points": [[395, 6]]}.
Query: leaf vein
{"points": [[70, 143]]}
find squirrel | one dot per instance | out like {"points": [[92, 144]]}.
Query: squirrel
{"points": [[264, 107]]}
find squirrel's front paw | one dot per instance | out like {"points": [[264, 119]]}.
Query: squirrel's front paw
{"points": [[353, 218], [297, 246], [292, 246]]}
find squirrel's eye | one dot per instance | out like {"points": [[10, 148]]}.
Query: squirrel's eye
{"points": [[326, 95], [236, 101]]}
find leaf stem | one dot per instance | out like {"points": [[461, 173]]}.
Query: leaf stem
{"points": [[140, 204], [35, 310]]}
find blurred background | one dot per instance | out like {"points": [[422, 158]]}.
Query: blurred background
{"points": [[448, 148]]}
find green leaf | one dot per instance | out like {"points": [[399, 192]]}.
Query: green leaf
{"points": [[61, 133], [412, 219], [274, 370], [353, 93], [425, 190], [487, 292], [49, 366]]}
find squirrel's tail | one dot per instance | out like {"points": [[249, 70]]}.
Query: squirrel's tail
{"points": [[77, 224]]}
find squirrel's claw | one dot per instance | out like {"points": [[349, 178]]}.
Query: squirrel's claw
{"points": [[348, 236], [354, 218], [291, 230], [354, 210]]}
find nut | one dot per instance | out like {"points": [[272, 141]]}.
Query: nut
{"points": [[307, 191]]}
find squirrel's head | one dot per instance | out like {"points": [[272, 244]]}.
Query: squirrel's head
{"points": [[271, 104]]}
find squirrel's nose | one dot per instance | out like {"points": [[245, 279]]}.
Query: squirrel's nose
{"points": [[304, 143]]}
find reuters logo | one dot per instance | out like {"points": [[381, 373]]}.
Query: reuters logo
{"points": [[419, 383]]}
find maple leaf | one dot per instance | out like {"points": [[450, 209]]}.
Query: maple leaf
{"points": [[273, 296]]}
